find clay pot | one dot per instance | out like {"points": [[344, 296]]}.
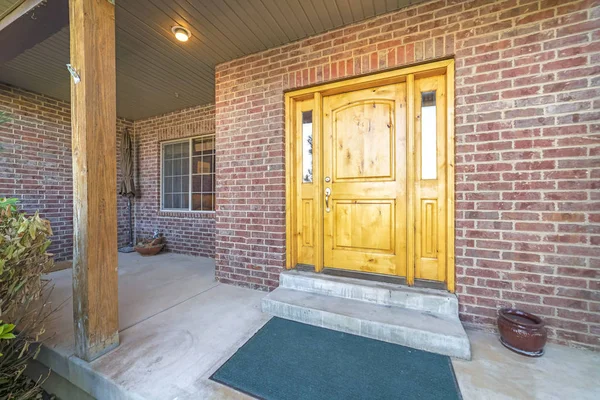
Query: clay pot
{"points": [[522, 332], [149, 251]]}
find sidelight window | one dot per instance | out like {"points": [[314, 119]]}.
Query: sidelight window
{"points": [[307, 146], [428, 136]]}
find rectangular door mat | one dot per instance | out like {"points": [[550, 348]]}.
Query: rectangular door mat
{"points": [[290, 360]]}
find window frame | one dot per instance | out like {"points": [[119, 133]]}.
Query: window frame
{"points": [[189, 141]]}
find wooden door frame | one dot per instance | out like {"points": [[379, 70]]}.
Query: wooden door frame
{"points": [[407, 74]]}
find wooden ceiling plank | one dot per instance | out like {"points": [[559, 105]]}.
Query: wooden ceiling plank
{"points": [[241, 18], [31, 61], [33, 82], [154, 85], [368, 8], [7, 6], [300, 14], [255, 21], [131, 68], [147, 67], [322, 14], [54, 57], [357, 10], [142, 96], [19, 24], [160, 45], [153, 56], [57, 76], [136, 102], [345, 11], [157, 25], [380, 6], [283, 13], [213, 33], [170, 79], [334, 13], [213, 11], [203, 31], [12, 10], [312, 14], [57, 89], [274, 24]]}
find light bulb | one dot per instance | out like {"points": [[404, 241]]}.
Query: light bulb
{"points": [[181, 36], [181, 33]]}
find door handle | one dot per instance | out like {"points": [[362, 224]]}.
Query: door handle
{"points": [[327, 194]]}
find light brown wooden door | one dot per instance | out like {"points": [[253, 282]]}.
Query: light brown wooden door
{"points": [[381, 147], [364, 180]]}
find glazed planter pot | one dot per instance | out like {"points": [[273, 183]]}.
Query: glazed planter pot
{"points": [[522, 332], [149, 251]]}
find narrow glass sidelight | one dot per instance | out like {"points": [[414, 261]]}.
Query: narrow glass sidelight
{"points": [[203, 174], [175, 175], [428, 136], [307, 146]]}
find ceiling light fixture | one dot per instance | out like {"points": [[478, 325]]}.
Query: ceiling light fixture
{"points": [[182, 34]]}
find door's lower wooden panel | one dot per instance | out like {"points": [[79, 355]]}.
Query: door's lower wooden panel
{"points": [[364, 225], [364, 261], [427, 240], [429, 228], [307, 222], [306, 234]]}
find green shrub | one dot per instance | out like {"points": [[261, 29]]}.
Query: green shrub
{"points": [[23, 261]]}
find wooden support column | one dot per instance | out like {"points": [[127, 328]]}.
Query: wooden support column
{"points": [[93, 113]]}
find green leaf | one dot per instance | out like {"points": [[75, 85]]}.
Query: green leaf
{"points": [[22, 228], [32, 231], [7, 336], [10, 251]]}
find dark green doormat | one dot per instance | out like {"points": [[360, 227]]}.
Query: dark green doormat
{"points": [[289, 360]]}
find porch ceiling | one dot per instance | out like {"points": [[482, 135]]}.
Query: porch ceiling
{"points": [[157, 74]]}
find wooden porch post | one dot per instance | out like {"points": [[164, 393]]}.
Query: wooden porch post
{"points": [[93, 112]]}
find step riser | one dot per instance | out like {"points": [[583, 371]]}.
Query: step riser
{"points": [[391, 298], [427, 341]]}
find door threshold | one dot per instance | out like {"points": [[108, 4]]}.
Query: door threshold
{"points": [[396, 280], [368, 276]]}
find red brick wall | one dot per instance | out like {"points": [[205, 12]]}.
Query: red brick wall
{"points": [[36, 163], [188, 233], [36, 167], [528, 153]]}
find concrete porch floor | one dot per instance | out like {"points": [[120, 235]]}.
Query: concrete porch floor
{"points": [[177, 326]]}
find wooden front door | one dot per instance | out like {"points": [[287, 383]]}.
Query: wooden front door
{"points": [[369, 182], [364, 172]]}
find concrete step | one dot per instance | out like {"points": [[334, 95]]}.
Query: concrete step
{"points": [[387, 294], [435, 333]]}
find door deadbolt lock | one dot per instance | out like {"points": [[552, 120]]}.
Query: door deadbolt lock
{"points": [[327, 179]]}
